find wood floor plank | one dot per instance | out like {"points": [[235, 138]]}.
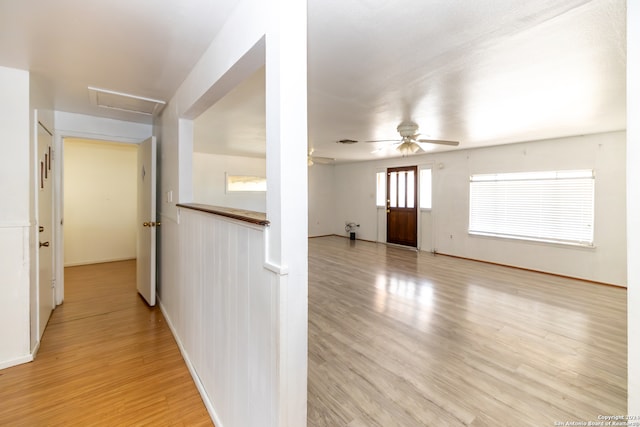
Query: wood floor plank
{"points": [[404, 338], [396, 338], [106, 358]]}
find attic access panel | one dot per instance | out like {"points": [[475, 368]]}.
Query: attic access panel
{"points": [[125, 102]]}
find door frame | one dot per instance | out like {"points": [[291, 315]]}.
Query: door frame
{"points": [[381, 216], [44, 118], [416, 203], [45, 177], [58, 210]]}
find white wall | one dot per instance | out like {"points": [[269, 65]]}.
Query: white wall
{"points": [[99, 201], [605, 153], [321, 200], [90, 127], [15, 191], [355, 198], [258, 32], [209, 181], [633, 204], [227, 320]]}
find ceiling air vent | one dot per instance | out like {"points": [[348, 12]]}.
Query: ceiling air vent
{"points": [[125, 102], [347, 141]]}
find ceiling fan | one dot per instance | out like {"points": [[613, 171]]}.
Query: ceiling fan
{"points": [[409, 142], [311, 159]]}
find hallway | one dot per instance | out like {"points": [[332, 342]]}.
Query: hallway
{"points": [[105, 359]]}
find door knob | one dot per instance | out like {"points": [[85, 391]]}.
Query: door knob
{"points": [[45, 244], [146, 224]]}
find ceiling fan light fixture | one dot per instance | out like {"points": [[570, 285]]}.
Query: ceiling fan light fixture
{"points": [[408, 147]]}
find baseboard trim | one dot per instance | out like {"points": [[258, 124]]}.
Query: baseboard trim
{"points": [[34, 352], [192, 370], [349, 238], [595, 282], [17, 361], [78, 264], [564, 276]]}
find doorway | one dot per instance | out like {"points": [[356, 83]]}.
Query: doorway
{"points": [[402, 210], [99, 199], [45, 247]]}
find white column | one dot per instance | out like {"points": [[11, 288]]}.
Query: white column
{"points": [[633, 205], [286, 120]]}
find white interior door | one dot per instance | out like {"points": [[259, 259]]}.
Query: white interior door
{"points": [[45, 228], [146, 246]]}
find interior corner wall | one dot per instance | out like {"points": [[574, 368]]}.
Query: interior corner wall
{"points": [[321, 196], [209, 175], [15, 223], [605, 153], [100, 201]]}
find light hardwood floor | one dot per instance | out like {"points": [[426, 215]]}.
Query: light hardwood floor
{"points": [[399, 338], [105, 359], [396, 338]]}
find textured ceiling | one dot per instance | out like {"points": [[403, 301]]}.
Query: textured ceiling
{"points": [[482, 72], [141, 47]]}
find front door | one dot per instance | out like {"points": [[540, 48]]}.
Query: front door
{"points": [[45, 228], [402, 212], [146, 241]]}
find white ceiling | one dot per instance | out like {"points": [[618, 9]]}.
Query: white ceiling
{"points": [[481, 72], [141, 47]]}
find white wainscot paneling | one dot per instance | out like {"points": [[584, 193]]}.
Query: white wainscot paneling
{"points": [[14, 288], [225, 317]]}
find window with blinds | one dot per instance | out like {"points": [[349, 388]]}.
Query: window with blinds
{"points": [[556, 206]]}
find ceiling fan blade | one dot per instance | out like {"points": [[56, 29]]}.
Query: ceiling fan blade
{"points": [[384, 140], [322, 160], [439, 141]]}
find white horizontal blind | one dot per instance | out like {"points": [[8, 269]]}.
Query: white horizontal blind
{"points": [[556, 206]]}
